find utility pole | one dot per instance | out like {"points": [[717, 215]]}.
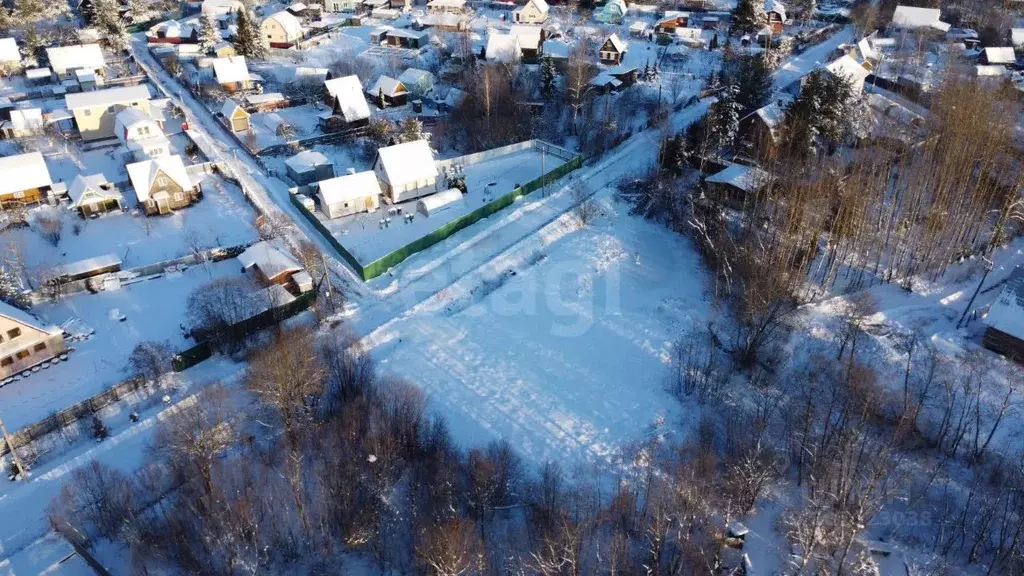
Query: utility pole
{"points": [[543, 181], [14, 453]]}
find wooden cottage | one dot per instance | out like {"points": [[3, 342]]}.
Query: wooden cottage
{"points": [[162, 185], [26, 179], [25, 341]]}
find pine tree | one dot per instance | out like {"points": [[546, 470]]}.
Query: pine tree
{"points": [[753, 78], [723, 120], [105, 14], [547, 78], [208, 35], [381, 103], [713, 45], [247, 41], [140, 11], [117, 37], [749, 16], [411, 130], [646, 74], [808, 7]]}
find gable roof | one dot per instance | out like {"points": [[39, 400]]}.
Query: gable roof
{"points": [[867, 52], [77, 56], [229, 107], [9, 50], [1000, 55], [347, 92], [503, 48], [1017, 36], [93, 183], [540, 5], [773, 115], [746, 178], [777, 7], [221, 6], [349, 187], [912, 17], [271, 261], [231, 69], [143, 174], [528, 36], [1007, 313], [389, 86], [131, 116], [616, 42], [27, 119], [848, 68], [306, 160], [415, 76], [407, 162], [618, 5], [288, 22], [107, 97], [23, 172], [22, 317]]}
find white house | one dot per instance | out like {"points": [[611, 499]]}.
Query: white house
{"points": [[65, 60], [349, 194], [530, 38], [141, 134], [406, 171], [533, 12], [281, 29], [9, 56], [453, 6], [345, 97], [431, 205], [913, 18], [94, 194], [417, 81], [342, 5], [503, 48], [850, 70]]}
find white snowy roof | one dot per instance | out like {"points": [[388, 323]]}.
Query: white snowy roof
{"points": [[9, 50], [455, 97], [37, 73], [407, 162], [503, 48], [446, 4], [348, 94], [1007, 313], [229, 107], [77, 56], [1017, 36], [288, 22], [556, 49], [415, 76], [23, 172], [777, 7], [221, 6], [867, 52], [27, 119], [990, 70], [231, 69], [621, 4], [264, 98], [94, 184], [605, 79], [617, 43], [389, 86], [129, 117], [306, 72], [107, 97], [1000, 55], [528, 36], [269, 259], [746, 178], [273, 121], [773, 116], [349, 187], [539, 4], [143, 174], [440, 200], [638, 26], [306, 160], [912, 17], [848, 68]]}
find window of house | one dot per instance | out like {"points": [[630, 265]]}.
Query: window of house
{"points": [[14, 333], [86, 112], [178, 197], [23, 354], [7, 361], [161, 181], [39, 347]]}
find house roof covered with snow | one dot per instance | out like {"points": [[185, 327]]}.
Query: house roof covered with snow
{"points": [[407, 162], [130, 117], [108, 97], [307, 72], [911, 17], [990, 71], [77, 56], [415, 76], [746, 178], [617, 43], [288, 22], [867, 52], [1017, 36], [347, 92], [618, 6], [502, 48], [228, 108], [1007, 313], [528, 36], [9, 50], [221, 6], [777, 7], [22, 317], [27, 119], [231, 69], [439, 200], [454, 4], [848, 68], [388, 86], [349, 187], [1000, 55], [143, 174], [306, 160], [23, 172], [773, 115], [271, 261], [91, 188], [541, 5]]}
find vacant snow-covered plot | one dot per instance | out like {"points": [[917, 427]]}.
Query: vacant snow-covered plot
{"points": [[561, 343]]}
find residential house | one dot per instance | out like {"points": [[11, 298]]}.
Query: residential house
{"points": [[530, 39], [388, 91], [94, 194], [848, 68], [224, 50], [349, 194], [1005, 319], [612, 51], [348, 6], [453, 6], [345, 98], [24, 122], [270, 266], [640, 30], [26, 179], [10, 57], [25, 341], [309, 166], [411, 39], [235, 116], [733, 184], [1002, 56], [233, 75], [612, 12], [911, 18], [281, 29], [709, 22], [96, 112], [163, 185], [762, 128], [445, 21], [141, 134], [673, 19], [65, 60], [217, 8], [775, 12], [406, 171], [502, 48], [173, 32], [533, 12], [418, 82]]}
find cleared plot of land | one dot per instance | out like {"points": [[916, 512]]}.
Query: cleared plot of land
{"points": [[567, 356]]}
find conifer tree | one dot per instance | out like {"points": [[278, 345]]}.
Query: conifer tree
{"points": [[748, 17], [547, 78], [208, 35]]}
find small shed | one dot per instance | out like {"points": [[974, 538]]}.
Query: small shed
{"points": [[236, 117], [268, 264], [309, 166], [87, 268], [999, 55], [349, 194], [439, 202], [735, 182], [388, 91], [419, 82]]}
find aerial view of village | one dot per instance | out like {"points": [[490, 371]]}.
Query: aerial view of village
{"points": [[512, 287]]}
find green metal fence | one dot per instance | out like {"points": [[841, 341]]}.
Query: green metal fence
{"points": [[382, 264]]}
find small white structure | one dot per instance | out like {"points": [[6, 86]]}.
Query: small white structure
{"points": [[1003, 55], [913, 18], [847, 68], [345, 96], [309, 166], [439, 202], [1017, 37], [141, 134], [221, 7], [349, 194], [26, 122], [65, 60], [281, 29], [418, 82], [94, 194], [9, 55], [533, 12], [503, 48], [407, 171]]}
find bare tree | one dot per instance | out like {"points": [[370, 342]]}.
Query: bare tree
{"points": [[150, 360]]}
